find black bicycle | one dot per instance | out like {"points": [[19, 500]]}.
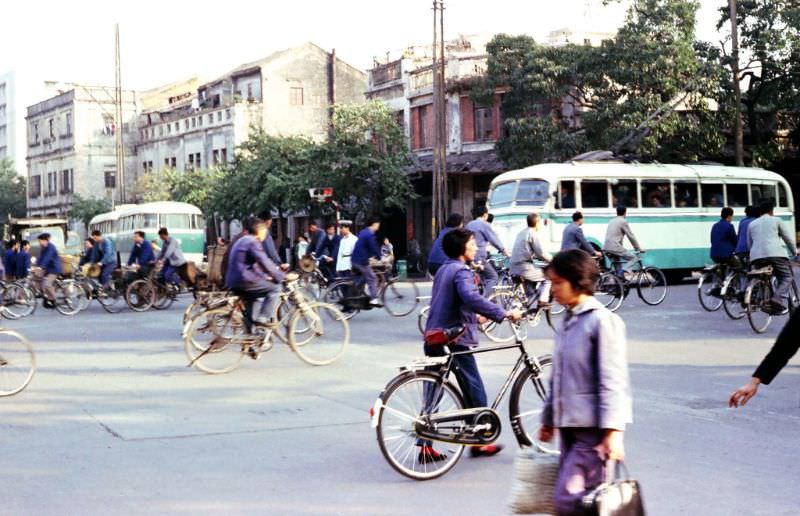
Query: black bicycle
{"points": [[398, 297], [649, 281], [758, 298], [422, 405]]}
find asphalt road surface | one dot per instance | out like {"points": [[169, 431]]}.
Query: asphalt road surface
{"points": [[114, 422]]}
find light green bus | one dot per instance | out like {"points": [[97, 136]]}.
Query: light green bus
{"points": [[671, 208], [184, 222]]}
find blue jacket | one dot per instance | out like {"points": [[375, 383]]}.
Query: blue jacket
{"points": [[9, 261], [329, 247], [22, 266], [484, 235], [106, 247], [437, 256], [314, 240], [455, 300], [366, 248], [248, 264], [741, 243], [723, 240], [573, 238], [49, 260], [142, 254], [269, 248]]}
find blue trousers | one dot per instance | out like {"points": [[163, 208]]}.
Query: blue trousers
{"points": [[582, 468], [105, 273], [365, 273], [170, 274]]}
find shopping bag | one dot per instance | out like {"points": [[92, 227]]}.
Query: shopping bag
{"points": [[617, 496], [534, 481]]}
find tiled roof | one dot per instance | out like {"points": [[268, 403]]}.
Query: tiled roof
{"points": [[478, 162]]}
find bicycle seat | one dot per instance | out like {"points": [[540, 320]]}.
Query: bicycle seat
{"points": [[443, 336], [763, 270]]}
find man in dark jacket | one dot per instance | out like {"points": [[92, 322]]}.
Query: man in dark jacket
{"points": [[723, 239], [10, 259], [49, 264], [327, 250], [366, 248], [105, 255], [573, 238], [269, 244], [315, 235], [437, 257], [142, 253], [22, 267]]}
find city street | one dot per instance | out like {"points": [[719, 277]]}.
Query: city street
{"points": [[114, 422]]}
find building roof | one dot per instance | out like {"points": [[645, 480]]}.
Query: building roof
{"points": [[479, 162]]}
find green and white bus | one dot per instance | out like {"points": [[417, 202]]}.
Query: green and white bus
{"points": [[671, 208], [184, 222]]}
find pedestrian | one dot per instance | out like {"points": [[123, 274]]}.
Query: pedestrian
{"points": [[573, 238], [437, 256], [527, 248], [22, 267], [171, 257], [367, 247], [589, 400], [300, 250], [766, 237], [269, 244], [485, 235], [327, 251], [387, 250], [315, 234], [10, 260], [455, 301], [49, 267], [347, 243], [616, 232]]}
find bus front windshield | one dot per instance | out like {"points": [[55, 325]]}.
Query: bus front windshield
{"points": [[532, 192]]}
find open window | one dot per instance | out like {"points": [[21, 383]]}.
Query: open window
{"points": [[712, 196], [623, 193], [656, 194], [566, 195], [736, 195], [594, 193]]}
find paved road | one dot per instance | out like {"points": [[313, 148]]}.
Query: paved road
{"points": [[115, 422]]}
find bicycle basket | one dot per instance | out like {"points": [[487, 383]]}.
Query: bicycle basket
{"points": [[307, 264]]}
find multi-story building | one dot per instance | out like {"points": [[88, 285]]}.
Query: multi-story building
{"points": [[71, 147], [287, 93], [8, 124]]}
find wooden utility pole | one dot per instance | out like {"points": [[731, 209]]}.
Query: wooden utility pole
{"points": [[120, 152], [439, 125], [737, 88]]}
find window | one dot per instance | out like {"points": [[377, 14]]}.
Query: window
{"points": [[68, 124], [737, 195], [295, 96], [224, 155], [150, 220], [173, 162], [423, 139], [594, 193], [219, 115], [110, 179], [186, 125], [711, 193], [762, 193], [35, 186], [175, 221], [190, 160], [35, 131], [250, 93], [656, 194], [215, 156], [166, 162], [686, 194], [227, 114], [484, 124], [52, 178], [211, 118], [200, 121], [566, 195], [161, 130], [66, 181], [169, 128], [177, 126], [783, 196], [194, 122], [197, 160], [502, 194], [623, 193], [400, 119], [532, 192], [51, 124]]}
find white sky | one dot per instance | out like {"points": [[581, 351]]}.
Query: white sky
{"points": [[167, 40]]}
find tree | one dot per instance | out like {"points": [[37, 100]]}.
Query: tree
{"points": [[154, 185], [12, 192], [85, 209], [650, 92]]}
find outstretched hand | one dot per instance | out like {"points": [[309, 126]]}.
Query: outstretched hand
{"points": [[742, 395]]}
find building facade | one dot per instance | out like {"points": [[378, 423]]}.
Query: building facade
{"points": [[71, 148]]}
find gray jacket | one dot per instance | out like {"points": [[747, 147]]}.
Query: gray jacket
{"points": [[528, 246], [766, 237], [171, 252], [573, 238], [589, 384], [616, 232]]}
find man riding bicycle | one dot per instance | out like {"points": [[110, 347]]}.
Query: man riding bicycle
{"points": [[723, 245], [527, 247], [105, 255], [485, 235], [616, 232], [142, 254], [367, 247]]}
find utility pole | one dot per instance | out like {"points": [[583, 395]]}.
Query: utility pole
{"points": [[737, 88], [439, 204], [120, 152]]}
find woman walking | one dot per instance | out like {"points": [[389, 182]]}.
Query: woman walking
{"points": [[589, 400]]}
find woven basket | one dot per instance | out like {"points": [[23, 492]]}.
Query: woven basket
{"points": [[534, 482]]}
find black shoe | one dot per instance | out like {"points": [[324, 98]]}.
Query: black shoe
{"points": [[428, 454], [48, 304], [715, 291], [773, 308], [485, 451]]}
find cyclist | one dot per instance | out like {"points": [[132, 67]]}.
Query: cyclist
{"points": [[527, 247], [88, 250], [142, 253], [367, 247], [347, 243], [764, 236], [723, 245], [437, 256], [105, 255], [49, 264], [327, 250], [252, 275], [742, 252], [485, 235], [171, 256], [616, 232], [455, 301], [573, 238], [23, 265]]}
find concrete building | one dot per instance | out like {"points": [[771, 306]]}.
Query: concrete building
{"points": [[9, 148], [71, 147], [287, 93]]}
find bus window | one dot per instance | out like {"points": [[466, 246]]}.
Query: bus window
{"points": [[737, 195], [150, 221], [712, 195], [199, 222], [594, 193], [533, 192], [762, 193], [566, 195], [175, 221], [686, 194], [624, 193], [503, 194], [656, 194], [783, 196]]}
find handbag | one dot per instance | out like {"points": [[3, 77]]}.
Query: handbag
{"points": [[534, 481], [616, 496]]}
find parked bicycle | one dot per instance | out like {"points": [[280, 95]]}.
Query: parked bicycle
{"points": [[758, 298], [399, 298], [423, 404], [17, 362]]}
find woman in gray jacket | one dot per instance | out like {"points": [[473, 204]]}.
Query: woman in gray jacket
{"points": [[589, 401]]}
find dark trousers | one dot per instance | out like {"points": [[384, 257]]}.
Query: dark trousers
{"points": [[782, 270], [169, 274], [489, 277], [105, 272], [433, 268], [249, 295], [581, 469]]}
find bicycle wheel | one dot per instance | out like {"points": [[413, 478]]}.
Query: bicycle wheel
{"points": [[164, 296], [111, 297], [336, 293], [708, 291], [422, 318], [85, 295], [68, 296], [17, 362], [610, 291], [18, 301], [399, 298], [526, 403], [311, 284], [402, 402], [501, 331], [651, 285], [733, 296], [327, 336], [140, 295], [758, 296], [215, 342]]}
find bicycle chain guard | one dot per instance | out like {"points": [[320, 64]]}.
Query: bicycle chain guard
{"points": [[471, 427]]}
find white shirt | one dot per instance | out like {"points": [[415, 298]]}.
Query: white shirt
{"points": [[346, 246]]}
